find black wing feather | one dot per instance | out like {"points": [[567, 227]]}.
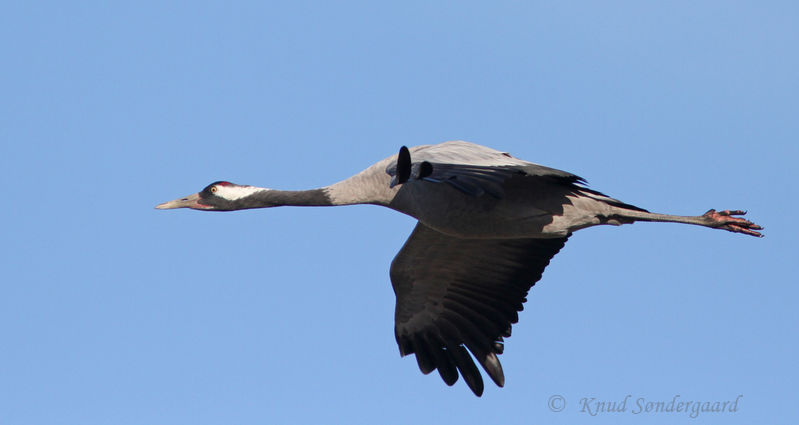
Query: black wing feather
{"points": [[474, 180], [456, 294]]}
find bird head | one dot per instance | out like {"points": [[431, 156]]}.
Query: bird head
{"points": [[217, 196]]}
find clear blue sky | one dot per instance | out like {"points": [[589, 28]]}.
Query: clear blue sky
{"points": [[112, 312]]}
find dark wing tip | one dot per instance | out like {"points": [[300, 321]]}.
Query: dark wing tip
{"points": [[467, 368], [403, 165], [494, 369]]}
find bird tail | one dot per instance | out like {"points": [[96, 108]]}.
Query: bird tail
{"points": [[599, 196]]}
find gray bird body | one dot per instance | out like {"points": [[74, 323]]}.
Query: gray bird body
{"points": [[488, 225], [539, 204]]}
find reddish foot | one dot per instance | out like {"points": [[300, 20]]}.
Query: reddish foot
{"points": [[725, 220]]}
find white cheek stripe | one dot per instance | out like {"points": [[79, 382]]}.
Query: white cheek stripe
{"points": [[232, 193]]}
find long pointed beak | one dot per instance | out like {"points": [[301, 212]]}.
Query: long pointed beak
{"points": [[191, 201]]}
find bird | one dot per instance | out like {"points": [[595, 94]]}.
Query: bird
{"points": [[488, 225]]}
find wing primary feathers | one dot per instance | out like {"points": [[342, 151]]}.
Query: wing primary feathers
{"points": [[499, 343], [467, 368], [424, 357], [446, 368], [494, 369], [403, 166], [425, 170]]}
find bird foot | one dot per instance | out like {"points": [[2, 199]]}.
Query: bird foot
{"points": [[725, 220]]}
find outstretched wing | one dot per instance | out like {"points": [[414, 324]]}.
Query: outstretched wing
{"points": [[474, 169], [455, 294]]}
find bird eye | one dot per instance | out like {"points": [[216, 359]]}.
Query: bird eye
{"points": [[213, 189]]}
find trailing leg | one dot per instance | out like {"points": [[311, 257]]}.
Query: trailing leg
{"points": [[725, 220]]}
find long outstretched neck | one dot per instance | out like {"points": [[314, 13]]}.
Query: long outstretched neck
{"points": [[265, 198], [724, 220], [370, 186], [353, 191]]}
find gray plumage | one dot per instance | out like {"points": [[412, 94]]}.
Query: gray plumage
{"points": [[488, 226]]}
